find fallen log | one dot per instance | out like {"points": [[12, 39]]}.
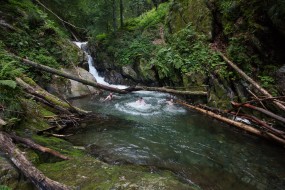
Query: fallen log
{"points": [[47, 98], [38, 147], [251, 81], [26, 167], [69, 76], [236, 124], [266, 112], [104, 87], [166, 90], [259, 122]]}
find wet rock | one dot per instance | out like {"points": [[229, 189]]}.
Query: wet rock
{"points": [[114, 77], [280, 76]]}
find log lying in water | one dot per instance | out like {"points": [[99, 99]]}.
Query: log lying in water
{"points": [[26, 167], [240, 125]]}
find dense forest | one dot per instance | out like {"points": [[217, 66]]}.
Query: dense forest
{"points": [[223, 58]]}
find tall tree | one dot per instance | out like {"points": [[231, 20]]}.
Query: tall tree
{"points": [[121, 13]]}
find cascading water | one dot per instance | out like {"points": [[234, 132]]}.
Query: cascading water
{"points": [[198, 149]]}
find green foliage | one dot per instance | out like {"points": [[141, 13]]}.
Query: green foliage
{"points": [[136, 49], [243, 55], [268, 82], [185, 52], [148, 19], [2, 187], [8, 83], [101, 37]]}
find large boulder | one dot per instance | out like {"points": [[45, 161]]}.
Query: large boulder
{"points": [[70, 88]]}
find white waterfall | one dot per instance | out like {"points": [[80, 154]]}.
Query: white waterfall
{"points": [[93, 70]]}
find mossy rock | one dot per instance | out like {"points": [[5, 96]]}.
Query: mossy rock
{"points": [[89, 173]]}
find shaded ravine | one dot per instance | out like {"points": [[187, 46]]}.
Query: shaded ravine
{"points": [[200, 150]]}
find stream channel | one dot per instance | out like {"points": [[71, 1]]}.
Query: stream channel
{"points": [[200, 150]]}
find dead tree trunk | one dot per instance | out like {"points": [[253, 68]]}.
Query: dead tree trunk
{"points": [[268, 113], [237, 124], [251, 81], [35, 146], [26, 167], [69, 76]]}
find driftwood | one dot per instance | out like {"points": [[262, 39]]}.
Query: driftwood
{"points": [[251, 81], [266, 112], [36, 146], [26, 167], [240, 125]]}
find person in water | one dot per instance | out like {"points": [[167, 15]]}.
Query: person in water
{"points": [[170, 102], [140, 101], [109, 97]]}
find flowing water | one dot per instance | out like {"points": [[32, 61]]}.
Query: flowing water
{"points": [[198, 149]]}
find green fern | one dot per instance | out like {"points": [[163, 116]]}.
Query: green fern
{"points": [[9, 83]]}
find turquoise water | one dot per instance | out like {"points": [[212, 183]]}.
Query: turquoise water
{"points": [[198, 149]]}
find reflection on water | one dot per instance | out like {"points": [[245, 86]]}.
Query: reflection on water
{"points": [[197, 148]]}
